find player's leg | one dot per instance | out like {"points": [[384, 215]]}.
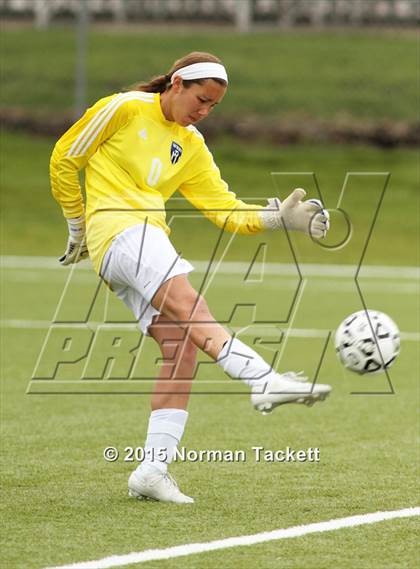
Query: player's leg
{"points": [[129, 276], [169, 416], [173, 385], [171, 392], [178, 301]]}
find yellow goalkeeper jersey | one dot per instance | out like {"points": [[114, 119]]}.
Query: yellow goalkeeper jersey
{"points": [[134, 161]]}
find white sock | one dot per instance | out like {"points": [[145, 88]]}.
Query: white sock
{"points": [[165, 430], [242, 362]]}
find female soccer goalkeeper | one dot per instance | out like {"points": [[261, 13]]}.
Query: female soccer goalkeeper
{"points": [[137, 149]]}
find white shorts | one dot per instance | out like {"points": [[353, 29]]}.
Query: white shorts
{"points": [[138, 261]]}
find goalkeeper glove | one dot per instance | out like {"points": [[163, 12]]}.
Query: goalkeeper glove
{"points": [[76, 244], [308, 216]]}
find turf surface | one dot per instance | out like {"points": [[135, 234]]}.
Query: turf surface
{"points": [[70, 505], [62, 502]]}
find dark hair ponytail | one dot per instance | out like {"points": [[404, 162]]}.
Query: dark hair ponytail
{"points": [[158, 84], [161, 83]]}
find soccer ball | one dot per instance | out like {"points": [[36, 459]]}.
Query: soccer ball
{"points": [[367, 341]]}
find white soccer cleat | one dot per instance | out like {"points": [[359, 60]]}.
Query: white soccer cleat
{"points": [[156, 486], [289, 387]]}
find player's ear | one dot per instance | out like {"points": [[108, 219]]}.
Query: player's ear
{"points": [[177, 84]]}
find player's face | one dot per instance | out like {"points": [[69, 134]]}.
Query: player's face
{"points": [[192, 104]]}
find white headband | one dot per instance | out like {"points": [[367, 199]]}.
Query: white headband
{"points": [[202, 70]]}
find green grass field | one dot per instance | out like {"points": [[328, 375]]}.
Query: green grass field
{"points": [[61, 489], [69, 505], [63, 503]]}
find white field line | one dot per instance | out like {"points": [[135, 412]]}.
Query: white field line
{"points": [[245, 540], [268, 331], [284, 269], [271, 282]]}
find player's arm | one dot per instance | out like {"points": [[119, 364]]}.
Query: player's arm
{"points": [[70, 156], [209, 193]]}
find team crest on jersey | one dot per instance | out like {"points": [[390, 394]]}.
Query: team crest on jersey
{"points": [[176, 152]]}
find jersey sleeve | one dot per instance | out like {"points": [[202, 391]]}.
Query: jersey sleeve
{"points": [[80, 142], [209, 193]]}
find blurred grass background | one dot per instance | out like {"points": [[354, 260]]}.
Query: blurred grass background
{"points": [[33, 224], [323, 74], [364, 76]]}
